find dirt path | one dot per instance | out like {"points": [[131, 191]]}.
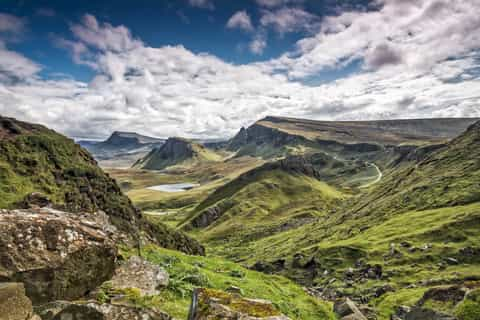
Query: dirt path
{"points": [[379, 177]]}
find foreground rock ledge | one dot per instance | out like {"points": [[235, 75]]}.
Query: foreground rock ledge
{"points": [[14, 305], [212, 304], [57, 255]]}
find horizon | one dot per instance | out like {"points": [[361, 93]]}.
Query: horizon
{"points": [[202, 69]]}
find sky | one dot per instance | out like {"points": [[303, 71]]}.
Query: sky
{"points": [[205, 68]]}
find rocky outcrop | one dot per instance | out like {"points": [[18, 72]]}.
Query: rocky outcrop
{"points": [[174, 151], [138, 273], [57, 255], [14, 304], [347, 310], [258, 134], [213, 304], [95, 311]]}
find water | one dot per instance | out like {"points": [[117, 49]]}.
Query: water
{"points": [[175, 187]]}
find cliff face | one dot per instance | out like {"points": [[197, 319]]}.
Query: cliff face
{"points": [[258, 135]]}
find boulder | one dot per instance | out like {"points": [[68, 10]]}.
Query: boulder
{"points": [[418, 313], [347, 310], [95, 311], [212, 304], [14, 304], [57, 255], [141, 274]]}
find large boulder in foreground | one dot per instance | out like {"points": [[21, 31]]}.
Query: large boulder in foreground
{"points": [[57, 255], [212, 304], [90, 310], [14, 304]]}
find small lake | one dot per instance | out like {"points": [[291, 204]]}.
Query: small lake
{"points": [[175, 187]]}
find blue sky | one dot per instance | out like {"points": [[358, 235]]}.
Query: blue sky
{"points": [[157, 23], [205, 68]]}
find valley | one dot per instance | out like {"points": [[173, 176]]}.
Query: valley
{"points": [[381, 218], [288, 210]]}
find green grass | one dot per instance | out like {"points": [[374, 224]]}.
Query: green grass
{"points": [[189, 272]]}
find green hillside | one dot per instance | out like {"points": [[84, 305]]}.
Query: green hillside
{"points": [[34, 159]]}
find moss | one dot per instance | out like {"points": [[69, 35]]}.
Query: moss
{"points": [[190, 272], [469, 309], [248, 307]]}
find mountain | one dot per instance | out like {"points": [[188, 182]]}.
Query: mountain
{"points": [[176, 151], [407, 237], [277, 136], [121, 149], [41, 167]]}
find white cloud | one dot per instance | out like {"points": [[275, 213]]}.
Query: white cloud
{"points": [[276, 3], [286, 20], [258, 44], [204, 4], [170, 90], [417, 34], [240, 20]]}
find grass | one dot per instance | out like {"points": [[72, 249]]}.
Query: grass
{"points": [[189, 272]]}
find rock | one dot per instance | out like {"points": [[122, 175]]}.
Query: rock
{"points": [[418, 313], [14, 304], [212, 304], [57, 255], [451, 294], [451, 261], [380, 291], [347, 310], [35, 200], [141, 274], [234, 290], [96, 311]]}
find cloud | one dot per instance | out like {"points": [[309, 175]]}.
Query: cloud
{"points": [[419, 34], [258, 44], [286, 20], [204, 4], [382, 55], [240, 20], [276, 3], [171, 91], [11, 24], [104, 37]]}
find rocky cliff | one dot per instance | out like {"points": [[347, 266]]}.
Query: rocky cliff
{"points": [[175, 151]]}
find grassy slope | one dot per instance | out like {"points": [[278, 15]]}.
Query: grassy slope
{"points": [[36, 159], [188, 272], [269, 200], [431, 205]]}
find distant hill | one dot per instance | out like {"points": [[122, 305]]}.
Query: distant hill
{"points": [[176, 151], [277, 136], [121, 149]]}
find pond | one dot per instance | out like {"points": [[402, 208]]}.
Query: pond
{"points": [[175, 187]]}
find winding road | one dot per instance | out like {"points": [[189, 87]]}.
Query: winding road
{"points": [[379, 176]]}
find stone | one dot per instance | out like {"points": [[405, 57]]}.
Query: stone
{"points": [[234, 290], [452, 294], [418, 313], [57, 255], [94, 311], [213, 304], [14, 304], [347, 310], [141, 274]]}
